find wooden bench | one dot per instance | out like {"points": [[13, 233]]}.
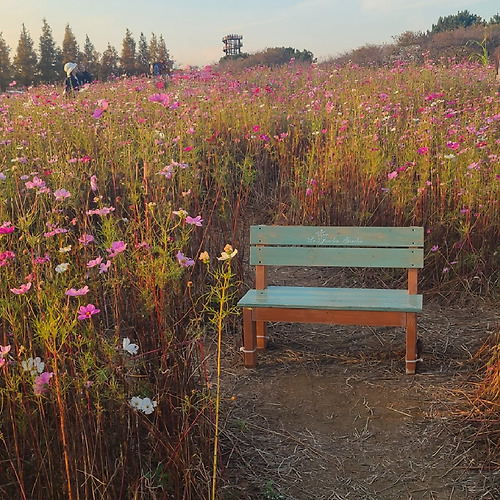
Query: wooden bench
{"points": [[305, 246]]}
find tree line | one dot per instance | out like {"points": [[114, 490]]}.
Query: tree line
{"points": [[44, 65], [453, 38]]}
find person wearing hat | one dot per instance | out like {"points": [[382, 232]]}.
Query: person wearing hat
{"points": [[72, 81]]}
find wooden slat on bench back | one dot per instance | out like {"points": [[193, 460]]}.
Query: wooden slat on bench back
{"points": [[336, 246], [336, 257], [338, 236]]}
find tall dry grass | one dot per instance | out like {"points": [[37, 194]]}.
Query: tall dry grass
{"points": [[122, 187]]}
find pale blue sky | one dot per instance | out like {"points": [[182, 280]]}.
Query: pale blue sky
{"points": [[193, 29]]}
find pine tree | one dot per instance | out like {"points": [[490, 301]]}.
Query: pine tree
{"points": [[49, 64], [25, 59], [5, 65], [143, 59], [127, 59], [70, 49], [109, 63], [90, 58]]}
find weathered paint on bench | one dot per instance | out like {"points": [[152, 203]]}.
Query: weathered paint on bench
{"points": [[333, 247]]}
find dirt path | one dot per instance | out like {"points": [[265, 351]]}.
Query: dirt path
{"points": [[329, 413]]}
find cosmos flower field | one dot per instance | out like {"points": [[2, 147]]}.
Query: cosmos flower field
{"points": [[118, 205]]}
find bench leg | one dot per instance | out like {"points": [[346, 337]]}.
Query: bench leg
{"points": [[411, 342], [249, 339], [261, 327]]}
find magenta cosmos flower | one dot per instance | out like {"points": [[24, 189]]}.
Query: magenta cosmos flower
{"points": [[87, 311], [42, 382], [85, 239], [6, 228]]}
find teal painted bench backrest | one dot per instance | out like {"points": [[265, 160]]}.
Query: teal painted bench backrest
{"points": [[389, 247]]}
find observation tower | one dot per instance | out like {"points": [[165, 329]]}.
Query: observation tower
{"points": [[232, 45]]}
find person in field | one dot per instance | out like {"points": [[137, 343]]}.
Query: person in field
{"points": [[496, 58], [84, 76], [72, 82]]}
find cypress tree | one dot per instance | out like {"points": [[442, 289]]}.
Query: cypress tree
{"points": [[70, 49], [25, 60], [109, 63], [90, 58], [153, 48], [163, 54], [127, 59], [49, 64], [5, 65], [143, 58]]}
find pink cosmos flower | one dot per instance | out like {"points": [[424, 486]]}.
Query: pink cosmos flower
{"points": [[61, 194], [103, 268], [392, 175], [93, 183], [77, 293], [41, 260], [162, 99], [183, 260], [41, 383], [101, 211], [6, 228], [4, 349], [22, 289], [85, 239], [116, 248], [94, 262], [57, 230], [434, 248], [35, 183], [167, 171], [423, 150], [196, 221], [87, 311], [5, 256]]}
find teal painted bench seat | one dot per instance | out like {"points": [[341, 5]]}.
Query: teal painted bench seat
{"points": [[348, 299], [306, 246]]}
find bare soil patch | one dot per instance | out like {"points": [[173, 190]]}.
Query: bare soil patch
{"points": [[329, 412]]}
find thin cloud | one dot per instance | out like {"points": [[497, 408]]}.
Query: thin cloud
{"points": [[398, 5]]}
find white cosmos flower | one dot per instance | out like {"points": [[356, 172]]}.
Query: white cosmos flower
{"points": [[136, 403], [148, 406], [33, 366], [62, 267], [129, 346], [228, 253]]}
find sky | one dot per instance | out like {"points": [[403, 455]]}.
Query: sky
{"points": [[193, 29]]}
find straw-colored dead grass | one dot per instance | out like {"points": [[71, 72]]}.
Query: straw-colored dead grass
{"points": [[329, 413]]}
